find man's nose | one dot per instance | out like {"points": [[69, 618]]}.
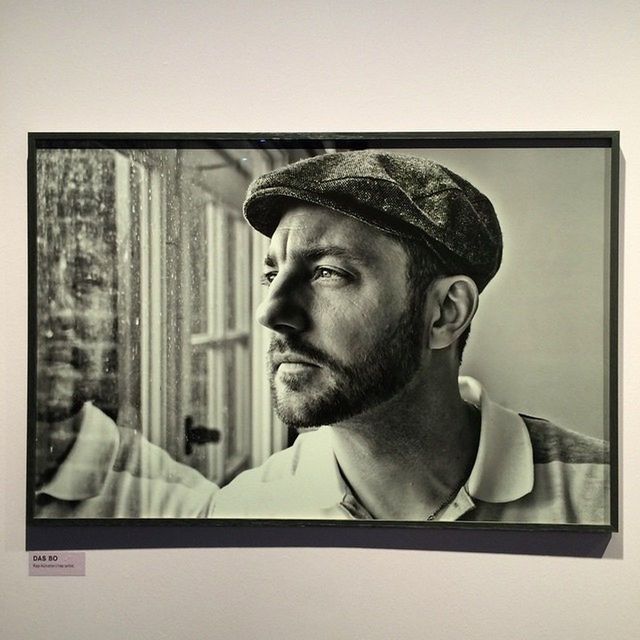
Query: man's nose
{"points": [[283, 310]]}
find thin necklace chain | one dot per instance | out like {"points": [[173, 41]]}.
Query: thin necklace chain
{"points": [[455, 492], [447, 501]]}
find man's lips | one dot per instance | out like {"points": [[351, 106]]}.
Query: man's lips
{"points": [[292, 359]]}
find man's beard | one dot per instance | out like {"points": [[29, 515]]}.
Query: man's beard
{"points": [[385, 369]]}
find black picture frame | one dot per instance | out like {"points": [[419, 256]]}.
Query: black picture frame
{"points": [[141, 532]]}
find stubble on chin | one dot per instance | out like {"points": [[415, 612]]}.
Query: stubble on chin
{"points": [[343, 392], [306, 407]]}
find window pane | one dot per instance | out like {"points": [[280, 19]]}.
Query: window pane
{"points": [[198, 258], [230, 302], [200, 372], [199, 387], [230, 401], [238, 427]]}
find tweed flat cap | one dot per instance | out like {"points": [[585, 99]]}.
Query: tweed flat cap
{"points": [[402, 195]]}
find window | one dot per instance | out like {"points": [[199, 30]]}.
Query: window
{"points": [[219, 342], [178, 355]]}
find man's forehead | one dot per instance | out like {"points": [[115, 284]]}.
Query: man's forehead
{"points": [[310, 226], [313, 218]]}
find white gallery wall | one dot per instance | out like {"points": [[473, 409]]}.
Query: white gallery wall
{"points": [[317, 66]]}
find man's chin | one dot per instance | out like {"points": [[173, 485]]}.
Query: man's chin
{"points": [[296, 379], [304, 410], [297, 419], [63, 409]]}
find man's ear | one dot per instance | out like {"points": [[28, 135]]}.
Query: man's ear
{"points": [[452, 303]]}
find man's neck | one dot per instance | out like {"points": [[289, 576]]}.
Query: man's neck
{"points": [[407, 457]]}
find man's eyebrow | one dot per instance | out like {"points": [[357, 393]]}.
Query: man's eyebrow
{"points": [[316, 253]]}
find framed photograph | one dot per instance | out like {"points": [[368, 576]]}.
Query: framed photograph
{"points": [[234, 337]]}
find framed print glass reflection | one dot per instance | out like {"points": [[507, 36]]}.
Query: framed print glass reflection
{"points": [[250, 332]]}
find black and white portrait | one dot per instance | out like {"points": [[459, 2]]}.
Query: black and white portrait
{"points": [[323, 330]]}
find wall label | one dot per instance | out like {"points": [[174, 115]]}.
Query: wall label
{"points": [[56, 563]]}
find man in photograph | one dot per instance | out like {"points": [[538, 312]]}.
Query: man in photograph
{"points": [[372, 280], [373, 277]]}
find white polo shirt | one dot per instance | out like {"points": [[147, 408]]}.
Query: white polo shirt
{"points": [[113, 472], [526, 470]]}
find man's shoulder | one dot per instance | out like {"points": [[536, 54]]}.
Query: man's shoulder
{"points": [[115, 472], [301, 481], [287, 462], [553, 443], [142, 459], [570, 481]]}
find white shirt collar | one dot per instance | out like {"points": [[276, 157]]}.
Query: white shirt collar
{"points": [[503, 470], [83, 472]]}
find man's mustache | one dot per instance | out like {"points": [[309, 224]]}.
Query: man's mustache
{"points": [[296, 346]]}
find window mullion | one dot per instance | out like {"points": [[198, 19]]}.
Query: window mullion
{"points": [[216, 330]]}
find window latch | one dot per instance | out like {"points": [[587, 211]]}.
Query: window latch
{"points": [[198, 434]]}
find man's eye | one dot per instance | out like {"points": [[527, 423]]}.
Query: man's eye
{"points": [[327, 273], [268, 278]]}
